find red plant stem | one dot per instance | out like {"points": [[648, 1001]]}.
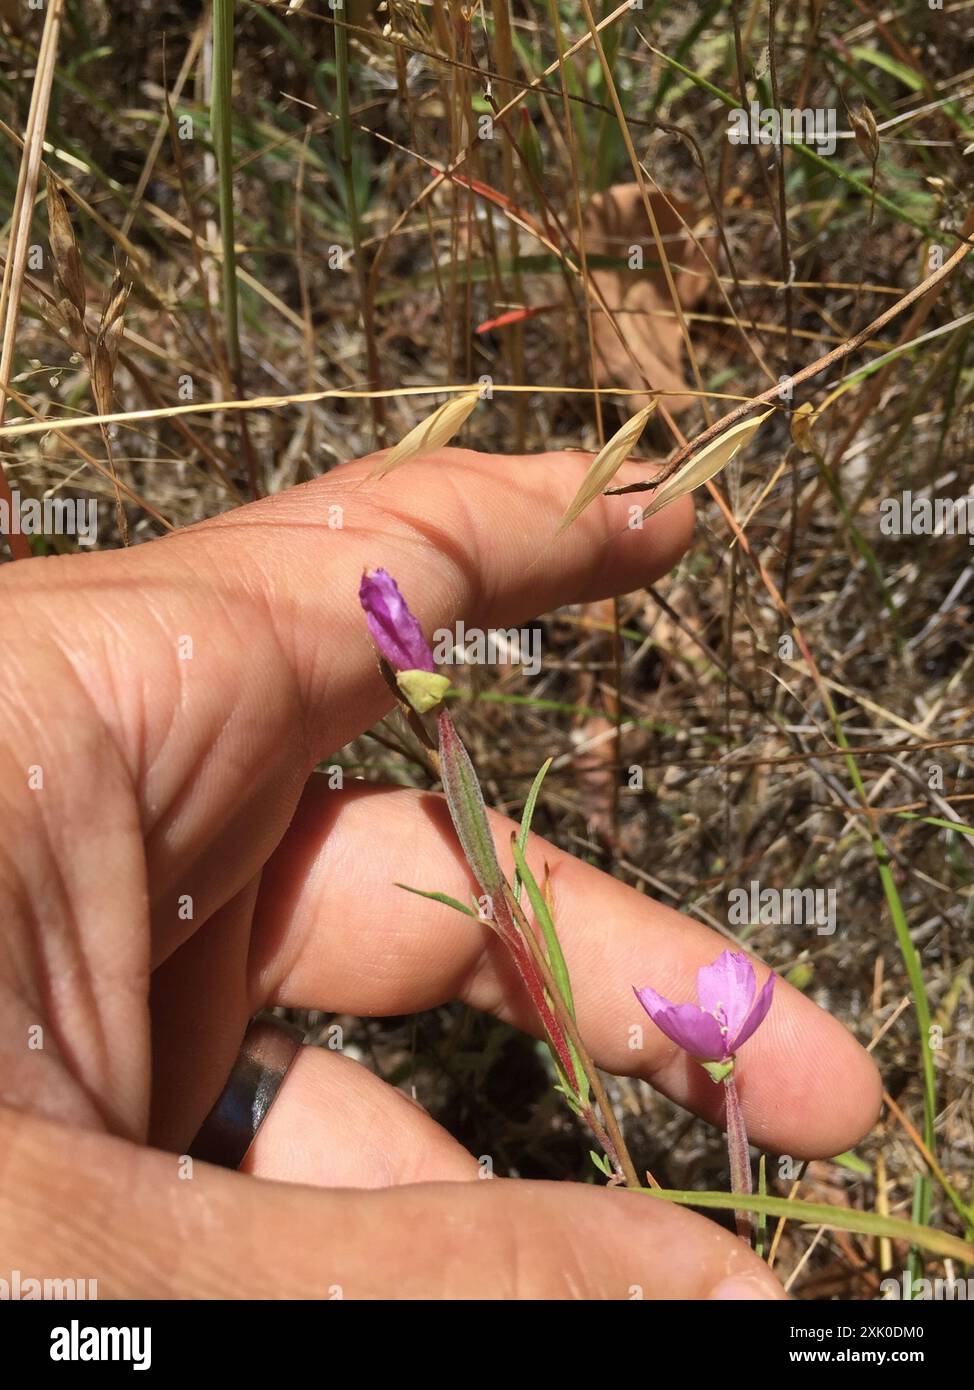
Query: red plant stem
{"points": [[570, 1031], [469, 815], [534, 985], [737, 1150], [605, 1139], [537, 987]]}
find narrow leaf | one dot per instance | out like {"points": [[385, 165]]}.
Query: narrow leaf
{"points": [[443, 898], [854, 1163], [526, 819], [430, 434], [221, 122], [867, 1223], [555, 956], [703, 466], [606, 465], [539, 907]]}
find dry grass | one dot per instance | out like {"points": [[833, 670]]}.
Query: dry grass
{"points": [[744, 776]]}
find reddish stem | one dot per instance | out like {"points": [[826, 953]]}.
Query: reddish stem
{"points": [[737, 1150], [535, 987]]}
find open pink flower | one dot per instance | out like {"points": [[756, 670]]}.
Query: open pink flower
{"points": [[726, 1014]]}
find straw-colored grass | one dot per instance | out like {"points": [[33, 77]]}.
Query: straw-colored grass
{"points": [[315, 209]]}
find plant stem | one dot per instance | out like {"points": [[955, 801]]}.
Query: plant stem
{"points": [[221, 122], [737, 1150], [352, 210], [222, 128], [570, 1031], [468, 813]]}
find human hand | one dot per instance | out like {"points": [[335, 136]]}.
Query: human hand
{"points": [[134, 779]]}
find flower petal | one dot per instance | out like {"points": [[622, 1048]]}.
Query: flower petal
{"points": [[395, 631], [652, 1002], [685, 1024], [757, 1015], [727, 985]]}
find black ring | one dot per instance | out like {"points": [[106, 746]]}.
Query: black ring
{"points": [[267, 1051]]}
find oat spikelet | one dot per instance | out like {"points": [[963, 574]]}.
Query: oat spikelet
{"points": [[69, 280], [864, 128], [606, 465], [103, 358], [105, 353], [703, 466], [430, 434]]}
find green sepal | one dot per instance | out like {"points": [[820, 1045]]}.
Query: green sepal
{"points": [[423, 689], [718, 1071], [467, 809]]}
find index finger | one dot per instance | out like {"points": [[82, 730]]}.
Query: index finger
{"points": [[461, 532]]}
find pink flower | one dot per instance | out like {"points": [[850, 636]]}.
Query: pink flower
{"points": [[395, 630], [727, 1012]]}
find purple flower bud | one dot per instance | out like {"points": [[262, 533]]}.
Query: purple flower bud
{"points": [[395, 631], [727, 1012]]}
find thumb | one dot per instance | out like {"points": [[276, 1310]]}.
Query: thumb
{"points": [[204, 1232]]}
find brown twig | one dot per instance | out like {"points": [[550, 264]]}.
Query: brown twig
{"points": [[813, 369]]}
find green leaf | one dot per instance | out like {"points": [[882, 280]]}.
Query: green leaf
{"points": [[957, 825], [539, 907], [866, 1223], [485, 272], [528, 816], [831, 167], [221, 118], [565, 1091], [441, 898], [761, 1239], [555, 956], [854, 1163], [910, 78]]}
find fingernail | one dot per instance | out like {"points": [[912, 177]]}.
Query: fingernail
{"points": [[741, 1286]]}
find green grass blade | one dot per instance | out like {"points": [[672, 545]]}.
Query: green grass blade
{"points": [[865, 1223], [221, 118], [909, 953], [936, 820], [762, 1222], [540, 909], [528, 816], [553, 951]]}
